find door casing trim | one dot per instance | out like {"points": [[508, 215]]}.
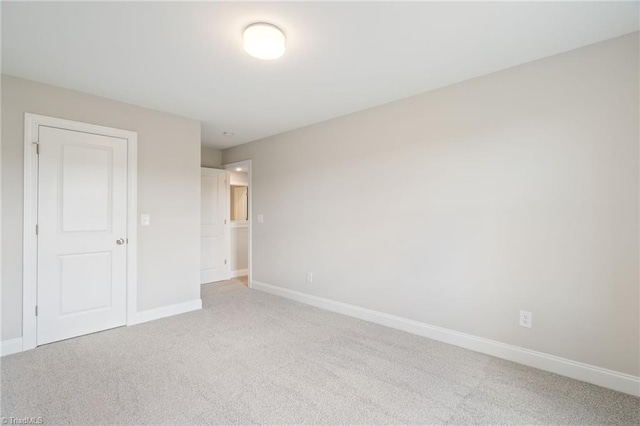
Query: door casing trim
{"points": [[30, 217]]}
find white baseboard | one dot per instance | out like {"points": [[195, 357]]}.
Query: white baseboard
{"points": [[238, 273], [11, 346], [576, 370], [166, 311]]}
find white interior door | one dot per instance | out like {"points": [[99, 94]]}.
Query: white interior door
{"points": [[82, 224], [214, 226]]}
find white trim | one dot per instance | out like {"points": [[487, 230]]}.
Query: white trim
{"points": [[30, 242], [167, 311], [132, 227], [576, 370], [239, 223], [238, 273], [249, 165], [11, 346]]}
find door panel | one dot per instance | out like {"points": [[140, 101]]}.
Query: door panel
{"points": [[86, 282], [86, 188], [214, 226], [82, 202]]}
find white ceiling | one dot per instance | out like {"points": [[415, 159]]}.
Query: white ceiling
{"points": [[187, 58]]}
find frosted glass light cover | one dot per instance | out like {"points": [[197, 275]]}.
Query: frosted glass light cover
{"points": [[264, 41]]}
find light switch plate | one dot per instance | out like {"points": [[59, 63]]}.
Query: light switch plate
{"points": [[260, 218], [145, 220]]}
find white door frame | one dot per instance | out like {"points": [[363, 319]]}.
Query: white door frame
{"points": [[232, 166], [30, 212]]}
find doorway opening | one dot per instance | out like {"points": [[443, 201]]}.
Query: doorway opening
{"points": [[240, 221]]}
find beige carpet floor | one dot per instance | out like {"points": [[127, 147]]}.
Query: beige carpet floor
{"points": [[253, 358]]}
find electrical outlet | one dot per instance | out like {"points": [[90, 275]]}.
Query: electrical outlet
{"points": [[526, 319], [309, 277]]}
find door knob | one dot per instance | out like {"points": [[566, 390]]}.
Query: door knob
{"points": [[120, 241]]}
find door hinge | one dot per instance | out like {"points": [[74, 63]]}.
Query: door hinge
{"points": [[37, 148], [36, 229], [36, 310]]}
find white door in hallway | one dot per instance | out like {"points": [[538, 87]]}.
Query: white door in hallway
{"points": [[82, 226], [214, 227]]}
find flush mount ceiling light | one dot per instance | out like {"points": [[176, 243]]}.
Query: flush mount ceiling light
{"points": [[264, 41]]}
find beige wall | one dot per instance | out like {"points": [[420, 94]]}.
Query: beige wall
{"points": [[461, 206], [239, 248], [211, 157], [239, 178], [168, 190]]}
